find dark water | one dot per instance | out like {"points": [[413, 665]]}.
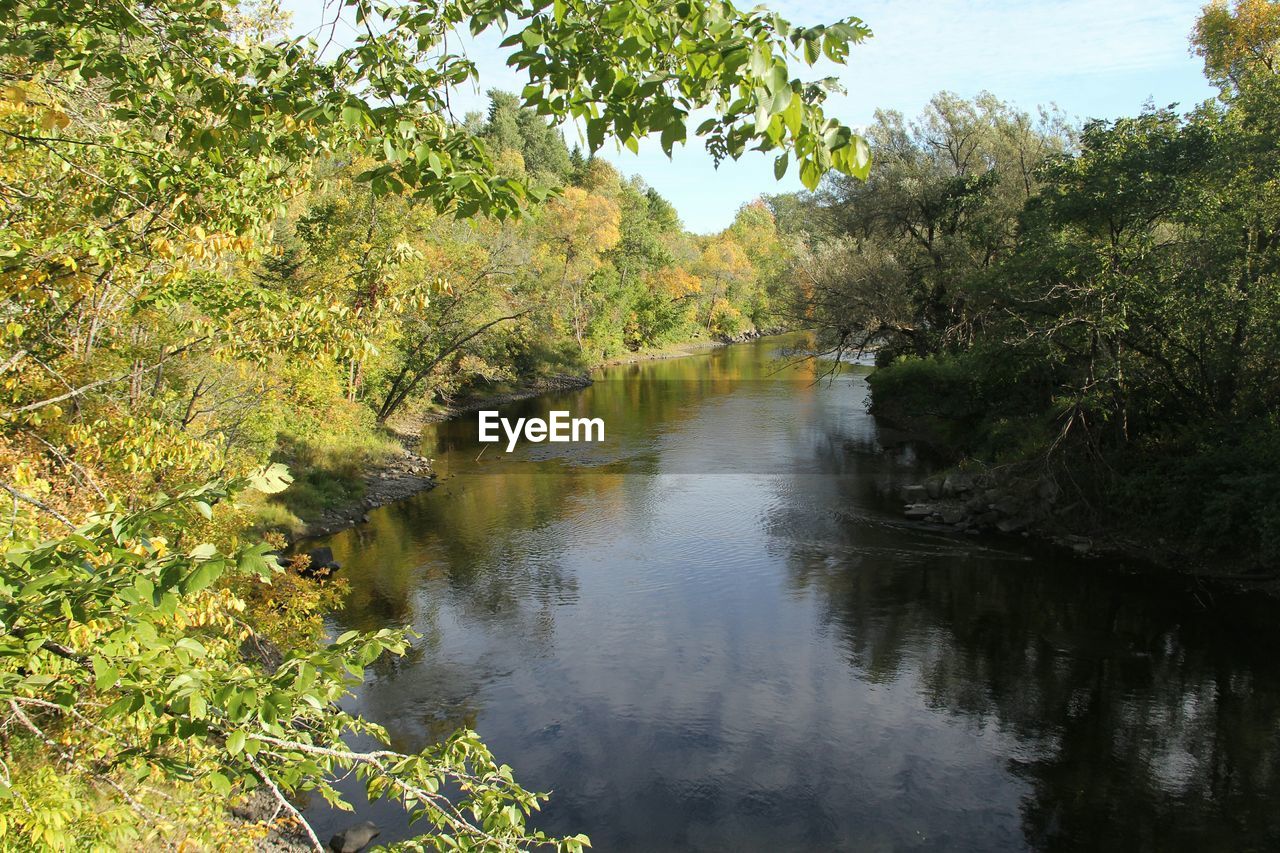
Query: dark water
{"points": [[713, 632]]}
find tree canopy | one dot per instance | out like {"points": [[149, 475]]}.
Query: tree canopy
{"points": [[1098, 303], [222, 248]]}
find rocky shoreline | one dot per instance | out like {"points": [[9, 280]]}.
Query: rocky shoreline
{"points": [[997, 503], [692, 347], [402, 477], [971, 503], [559, 383], [409, 473]]}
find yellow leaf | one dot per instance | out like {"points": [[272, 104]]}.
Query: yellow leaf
{"points": [[54, 119]]}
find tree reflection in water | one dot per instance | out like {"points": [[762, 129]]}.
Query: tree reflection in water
{"points": [[713, 631]]}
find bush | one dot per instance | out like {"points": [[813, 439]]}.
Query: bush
{"points": [[121, 666], [1218, 488]]}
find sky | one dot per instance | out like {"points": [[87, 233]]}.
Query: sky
{"points": [[1091, 58]]}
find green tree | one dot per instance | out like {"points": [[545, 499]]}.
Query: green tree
{"points": [[944, 201], [151, 149], [512, 127]]}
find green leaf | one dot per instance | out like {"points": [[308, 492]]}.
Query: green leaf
{"points": [[793, 117], [270, 479], [104, 674], [595, 133], [810, 174], [220, 783], [200, 577], [203, 551], [671, 134], [778, 81], [782, 98]]}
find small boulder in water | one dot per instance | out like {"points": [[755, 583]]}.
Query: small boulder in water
{"points": [[322, 564], [355, 838]]}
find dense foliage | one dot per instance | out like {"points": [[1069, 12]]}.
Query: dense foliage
{"points": [[1104, 302], [219, 246]]}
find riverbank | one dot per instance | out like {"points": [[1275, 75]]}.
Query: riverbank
{"points": [[1030, 501], [400, 477], [687, 348], [408, 473], [557, 384]]}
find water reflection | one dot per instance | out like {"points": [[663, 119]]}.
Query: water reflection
{"points": [[712, 632]]}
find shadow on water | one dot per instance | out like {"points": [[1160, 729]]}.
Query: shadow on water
{"points": [[712, 631]]}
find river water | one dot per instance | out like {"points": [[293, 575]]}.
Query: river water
{"points": [[713, 631]]}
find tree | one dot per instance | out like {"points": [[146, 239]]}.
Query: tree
{"points": [[512, 127], [755, 229], [150, 150], [577, 228], [944, 201], [142, 655], [1239, 41], [724, 269], [1099, 307]]}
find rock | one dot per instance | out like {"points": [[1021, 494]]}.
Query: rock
{"points": [[1009, 506], [1079, 544], [1011, 525], [321, 564], [322, 557], [988, 518], [257, 807], [953, 514], [1048, 491], [934, 487], [914, 494], [355, 838], [976, 505], [258, 649], [918, 511]]}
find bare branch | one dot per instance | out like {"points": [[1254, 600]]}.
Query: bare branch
{"points": [[37, 504]]}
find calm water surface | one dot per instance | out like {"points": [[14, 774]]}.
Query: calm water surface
{"points": [[714, 632]]}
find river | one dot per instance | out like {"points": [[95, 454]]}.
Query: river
{"points": [[714, 631]]}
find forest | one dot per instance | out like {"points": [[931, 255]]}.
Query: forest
{"points": [[227, 255], [1093, 305], [238, 266]]}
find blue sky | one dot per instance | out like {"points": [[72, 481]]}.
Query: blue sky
{"points": [[1092, 58]]}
